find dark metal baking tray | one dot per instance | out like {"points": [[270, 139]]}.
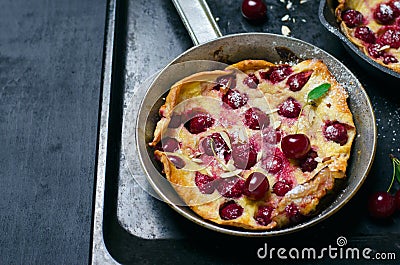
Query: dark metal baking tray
{"points": [[132, 227]]}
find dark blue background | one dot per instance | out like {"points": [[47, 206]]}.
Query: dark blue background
{"points": [[50, 74]]}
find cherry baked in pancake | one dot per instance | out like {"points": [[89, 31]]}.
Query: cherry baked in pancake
{"points": [[256, 145], [374, 26]]}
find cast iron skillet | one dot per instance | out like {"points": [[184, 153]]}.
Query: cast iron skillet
{"points": [[327, 17], [233, 48]]}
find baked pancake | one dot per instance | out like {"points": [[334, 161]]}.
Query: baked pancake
{"points": [[374, 27], [256, 145]]}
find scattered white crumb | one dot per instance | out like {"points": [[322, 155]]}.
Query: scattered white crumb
{"points": [[285, 17], [285, 30], [303, 20], [303, 1], [289, 5], [217, 19], [294, 20], [282, 1]]}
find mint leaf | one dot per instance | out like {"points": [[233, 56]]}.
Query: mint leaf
{"points": [[318, 92]]}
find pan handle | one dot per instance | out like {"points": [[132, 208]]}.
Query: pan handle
{"points": [[198, 20]]}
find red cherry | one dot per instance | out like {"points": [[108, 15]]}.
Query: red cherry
{"points": [[388, 58], [177, 161], [263, 215], [274, 164], [352, 18], [384, 14], [251, 81], [205, 183], [297, 81], [271, 136], [228, 81], [295, 146], [231, 187], [169, 144], [254, 9], [395, 5], [335, 131], [309, 163], [199, 123], [365, 34], [244, 156], [256, 186], [214, 143], [390, 37], [381, 205], [282, 187], [256, 119], [375, 50], [293, 212], [230, 210], [234, 99], [277, 74], [290, 108]]}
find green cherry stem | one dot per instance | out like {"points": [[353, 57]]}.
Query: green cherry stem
{"points": [[396, 170]]}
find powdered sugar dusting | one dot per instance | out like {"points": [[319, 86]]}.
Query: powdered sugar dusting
{"points": [[388, 125]]}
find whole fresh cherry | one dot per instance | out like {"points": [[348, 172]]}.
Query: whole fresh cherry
{"points": [[295, 146], [254, 10], [256, 186], [381, 205]]}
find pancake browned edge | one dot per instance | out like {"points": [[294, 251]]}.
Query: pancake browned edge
{"points": [[308, 187]]}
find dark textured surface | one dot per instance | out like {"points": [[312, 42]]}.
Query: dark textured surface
{"points": [[148, 40], [50, 73]]}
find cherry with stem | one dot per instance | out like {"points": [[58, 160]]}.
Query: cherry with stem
{"points": [[383, 204]]}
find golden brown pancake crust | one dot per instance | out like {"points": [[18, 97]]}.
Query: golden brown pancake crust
{"points": [[200, 92]]}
